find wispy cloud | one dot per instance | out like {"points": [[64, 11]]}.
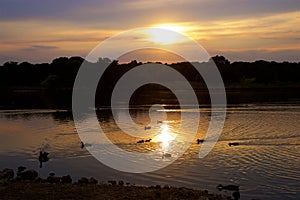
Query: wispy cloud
{"points": [[290, 55], [105, 13], [75, 27], [40, 47]]}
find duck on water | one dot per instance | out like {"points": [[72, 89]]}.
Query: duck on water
{"points": [[43, 157]]}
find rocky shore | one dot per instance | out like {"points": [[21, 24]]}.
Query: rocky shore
{"points": [[26, 184]]}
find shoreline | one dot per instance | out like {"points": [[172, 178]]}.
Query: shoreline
{"points": [[28, 185], [31, 190]]}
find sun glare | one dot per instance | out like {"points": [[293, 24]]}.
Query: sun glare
{"points": [[178, 29], [166, 34], [165, 136]]}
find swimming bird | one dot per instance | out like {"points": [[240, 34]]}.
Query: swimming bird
{"points": [[43, 157], [51, 174], [233, 144], [199, 141], [147, 127], [228, 187], [148, 140], [140, 141], [85, 145], [166, 155], [236, 195], [20, 169]]}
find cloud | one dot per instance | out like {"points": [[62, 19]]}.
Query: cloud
{"points": [[105, 13], [130, 14], [290, 55], [34, 48], [75, 27], [36, 54], [42, 47]]}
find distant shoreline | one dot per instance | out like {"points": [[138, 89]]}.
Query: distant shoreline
{"points": [[50, 85], [40, 98]]}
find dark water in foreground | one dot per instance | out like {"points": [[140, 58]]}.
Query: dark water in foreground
{"points": [[266, 165]]}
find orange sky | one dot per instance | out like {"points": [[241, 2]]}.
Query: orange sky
{"points": [[238, 29]]}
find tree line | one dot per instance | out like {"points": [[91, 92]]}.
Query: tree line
{"points": [[61, 72]]}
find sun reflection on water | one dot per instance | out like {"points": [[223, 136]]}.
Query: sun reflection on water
{"points": [[165, 136]]}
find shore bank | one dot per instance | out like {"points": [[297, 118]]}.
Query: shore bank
{"points": [[28, 185], [31, 190]]}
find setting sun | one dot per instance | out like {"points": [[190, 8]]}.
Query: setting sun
{"points": [[139, 99], [166, 34], [171, 27]]}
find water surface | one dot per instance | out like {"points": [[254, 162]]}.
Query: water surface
{"points": [[266, 164]]}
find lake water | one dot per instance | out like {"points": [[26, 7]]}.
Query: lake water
{"points": [[266, 164]]}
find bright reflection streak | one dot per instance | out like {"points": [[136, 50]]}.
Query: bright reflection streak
{"points": [[165, 137]]}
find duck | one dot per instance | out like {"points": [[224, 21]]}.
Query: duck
{"points": [[236, 195], [228, 187], [199, 141], [148, 140], [51, 174], [82, 145], [140, 141], [233, 144], [147, 127], [20, 170], [166, 155], [43, 157]]}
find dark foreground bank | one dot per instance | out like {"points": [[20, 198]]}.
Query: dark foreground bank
{"points": [[31, 190], [26, 184]]}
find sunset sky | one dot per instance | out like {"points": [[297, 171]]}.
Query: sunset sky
{"points": [[247, 30]]}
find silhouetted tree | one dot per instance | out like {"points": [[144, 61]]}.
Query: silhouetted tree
{"points": [[61, 73]]}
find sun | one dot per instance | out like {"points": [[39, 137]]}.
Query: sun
{"points": [[165, 34], [171, 27]]}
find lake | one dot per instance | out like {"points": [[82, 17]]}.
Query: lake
{"points": [[266, 164]]}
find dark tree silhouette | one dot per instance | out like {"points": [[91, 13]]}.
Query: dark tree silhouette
{"points": [[60, 74]]}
